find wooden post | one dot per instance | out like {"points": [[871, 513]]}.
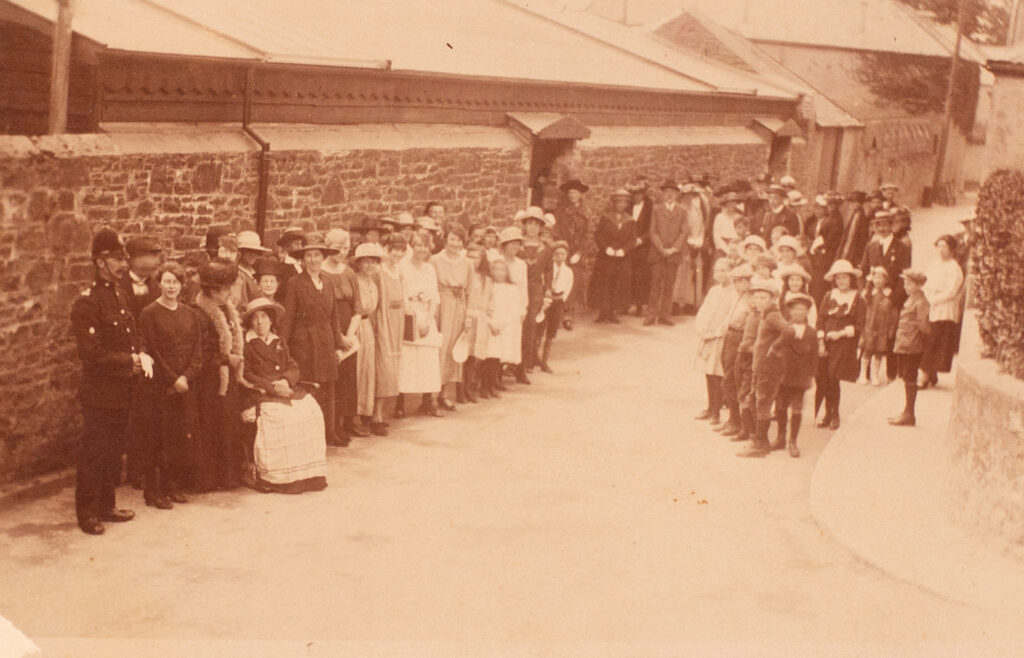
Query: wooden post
{"points": [[60, 68], [940, 164]]}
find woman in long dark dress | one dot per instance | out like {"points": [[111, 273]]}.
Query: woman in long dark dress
{"points": [[616, 239], [172, 335], [219, 455], [310, 325], [346, 294], [840, 323]]}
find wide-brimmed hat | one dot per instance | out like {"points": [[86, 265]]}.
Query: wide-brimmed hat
{"points": [[510, 234], [777, 189], [313, 242], [574, 184], [787, 181], [428, 224], [218, 274], [405, 219], [622, 192], [107, 244], [795, 198], [842, 266], [266, 265], [731, 197], [755, 240], [535, 213], [142, 244], [882, 216], [766, 260], [917, 276], [290, 234], [799, 298], [268, 306], [787, 271], [875, 195], [388, 222], [857, 196], [369, 250], [669, 184], [744, 271], [689, 188], [889, 186], [250, 240], [788, 241], [765, 284], [366, 223]]}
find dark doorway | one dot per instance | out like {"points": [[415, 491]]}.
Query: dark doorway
{"points": [[545, 176]]}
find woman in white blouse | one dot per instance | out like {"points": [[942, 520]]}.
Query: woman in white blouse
{"points": [[945, 280]]}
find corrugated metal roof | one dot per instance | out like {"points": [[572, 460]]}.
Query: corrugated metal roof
{"points": [[601, 136], [488, 38], [859, 24]]}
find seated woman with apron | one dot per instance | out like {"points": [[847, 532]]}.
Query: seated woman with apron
{"points": [[289, 452]]}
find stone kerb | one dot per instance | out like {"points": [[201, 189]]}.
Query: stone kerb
{"points": [[986, 437]]}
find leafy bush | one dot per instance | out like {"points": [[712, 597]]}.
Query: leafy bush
{"points": [[998, 257]]}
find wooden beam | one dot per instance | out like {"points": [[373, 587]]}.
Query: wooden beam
{"points": [[60, 69]]}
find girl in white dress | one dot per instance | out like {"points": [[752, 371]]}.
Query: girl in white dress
{"points": [[419, 366], [505, 321]]}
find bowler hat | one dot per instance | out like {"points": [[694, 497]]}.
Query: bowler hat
{"points": [[917, 276], [142, 244], [765, 260], [670, 184], [313, 242], [268, 306], [365, 224], [842, 266], [106, 244], [574, 184], [250, 240], [266, 265], [833, 197], [218, 274], [857, 196]]}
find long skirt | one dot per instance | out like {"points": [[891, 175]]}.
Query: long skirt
{"points": [[507, 345], [610, 285], [419, 367], [452, 320], [389, 348], [479, 333], [366, 368], [290, 445], [219, 451], [346, 390], [940, 348]]}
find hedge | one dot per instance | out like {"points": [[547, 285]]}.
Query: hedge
{"points": [[998, 269]]}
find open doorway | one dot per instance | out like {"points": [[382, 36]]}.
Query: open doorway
{"points": [[547, 172]]}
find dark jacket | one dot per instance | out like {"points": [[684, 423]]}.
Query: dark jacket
{"points": [[799, 356], [750, 330], [265, 363], [106, 336], [855, 236], [573, 226], [830, 228], [785, 218], [895, 259], [615, 235], [310, 327], [643, 220], [913, 327], [769, 329], [668, 230], [138, 302]]}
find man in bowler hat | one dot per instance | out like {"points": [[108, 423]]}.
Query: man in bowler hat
{"points": [[112, 356]]}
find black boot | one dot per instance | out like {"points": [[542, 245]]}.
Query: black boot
{"points": [[759, 447], [746, 426], [400, 407], [794, 431], [470, 383], [907, 419], [545, 352], [428, 407], [780, 439]]}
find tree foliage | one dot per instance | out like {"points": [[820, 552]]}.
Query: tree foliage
{"points": [[985, 21]]}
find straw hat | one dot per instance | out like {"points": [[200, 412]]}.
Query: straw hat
{"points": [[788, 241], [765, 284], [536, 213], [268, 306], [744, 271], [795, 198], [799, 298], [510, 234], [755, 240], [313, 242], [428, 224], [842, 266], [369, 250], [250, 240], [787, 271]]}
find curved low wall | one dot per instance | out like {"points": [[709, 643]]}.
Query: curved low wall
{"points": [[986, 434]]}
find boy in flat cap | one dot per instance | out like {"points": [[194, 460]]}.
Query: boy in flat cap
{"points": [[741, 308], [766, 364], [797, 348], [911, 337]]}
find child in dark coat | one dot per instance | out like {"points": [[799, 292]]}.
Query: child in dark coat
{"points": [[880, 320], [798, 347]]}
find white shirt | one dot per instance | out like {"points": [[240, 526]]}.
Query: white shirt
{"points": [[562, 280], [724, 230], [637, 207], [885, 242], [517, 275], [799, 330], [139, 285]]}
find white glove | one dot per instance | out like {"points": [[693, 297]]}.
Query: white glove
{"points": [[609, 251], [249, 415], [575, 258], [147, 365], [620, 253]]}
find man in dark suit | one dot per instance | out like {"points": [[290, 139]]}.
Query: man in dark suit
{"points": [[778, 214], [641, 207], [825, 243], [110, 349], [856, 236], [668, 239], [885, 250]]}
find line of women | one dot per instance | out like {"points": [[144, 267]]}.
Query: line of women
{"points": [[333, 344]]}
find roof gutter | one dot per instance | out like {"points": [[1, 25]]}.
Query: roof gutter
{"points": [[263, 163]]}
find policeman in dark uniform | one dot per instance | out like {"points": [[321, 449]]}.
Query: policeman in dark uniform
{"points": [[111, 353]]}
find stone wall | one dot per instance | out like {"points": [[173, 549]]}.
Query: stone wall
{"points": [[475, 184], [1005, 141], [54, 192]]}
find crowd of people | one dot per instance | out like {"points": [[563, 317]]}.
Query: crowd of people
{"points": [[239, 365], [807, 295]]}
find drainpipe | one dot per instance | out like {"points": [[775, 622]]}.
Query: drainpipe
{"points": [[263, 169]]}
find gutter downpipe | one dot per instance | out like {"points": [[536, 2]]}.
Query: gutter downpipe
{"points": [[263, 165]]}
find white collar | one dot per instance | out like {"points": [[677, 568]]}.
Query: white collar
{"points": [[136, 278], [251, 335]]}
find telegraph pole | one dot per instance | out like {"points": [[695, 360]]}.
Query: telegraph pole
{"points": [[60, 68], [947, 116]]}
